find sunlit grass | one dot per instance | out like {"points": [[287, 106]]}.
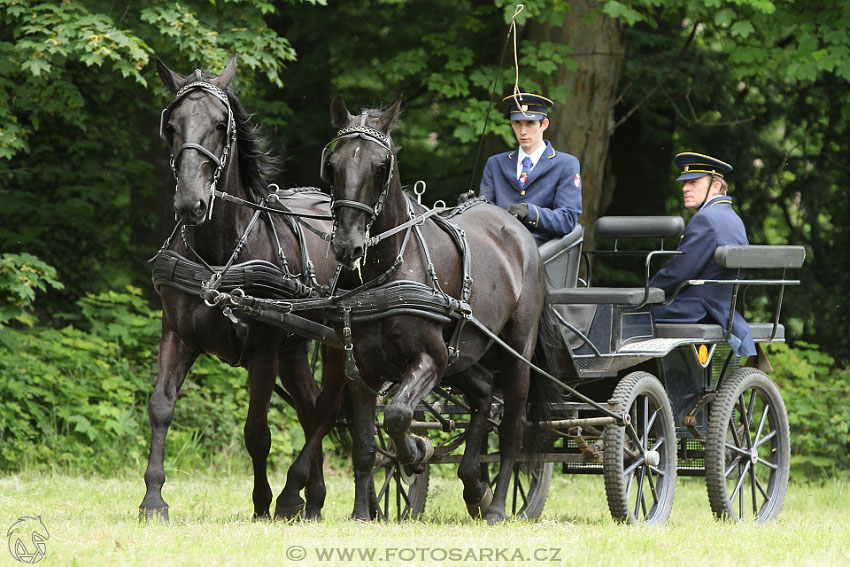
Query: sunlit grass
{"points": [[93, 521]]}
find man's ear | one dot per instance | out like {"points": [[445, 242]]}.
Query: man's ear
{"points": [[544, 124]]}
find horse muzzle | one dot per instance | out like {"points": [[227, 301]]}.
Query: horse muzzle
{"points": [[347, 250], [190, 210]]}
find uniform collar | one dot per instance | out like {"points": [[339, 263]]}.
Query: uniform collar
{"points": [[548, 152], [535, 155], [718, 200]]}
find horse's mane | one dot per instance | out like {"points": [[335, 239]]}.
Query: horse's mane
{"points": [[255, 163]]}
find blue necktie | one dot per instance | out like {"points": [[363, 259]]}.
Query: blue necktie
{"points": [[526, 167]]}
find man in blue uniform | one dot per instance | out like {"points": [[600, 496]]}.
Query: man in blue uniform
{"points": [[539, 185], [714, 224]]}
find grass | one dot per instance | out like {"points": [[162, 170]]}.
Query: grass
{"points": [[93, 521]]}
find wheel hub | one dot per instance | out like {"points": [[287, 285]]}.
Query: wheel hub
{"points": [[653, 458], [754, 455]]}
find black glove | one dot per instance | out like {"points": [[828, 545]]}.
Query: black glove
{"points": [[464, 197], [519, 210]]}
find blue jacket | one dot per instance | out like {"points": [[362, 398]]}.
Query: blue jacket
{"points": [[715, 224], [552, 190]]}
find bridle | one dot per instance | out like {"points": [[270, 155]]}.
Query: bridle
{"points": [[376, 137], [220, 161]]}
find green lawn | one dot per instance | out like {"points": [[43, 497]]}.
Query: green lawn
{"points": [[93, 521]]}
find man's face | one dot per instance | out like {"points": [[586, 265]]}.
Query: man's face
{"points": [[694, 191], [529, 133]]}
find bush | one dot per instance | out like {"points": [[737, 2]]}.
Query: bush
{"points": [[817, 396], [75, 398]]}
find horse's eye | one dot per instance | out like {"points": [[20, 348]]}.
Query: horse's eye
{"points": [[221, 126]]}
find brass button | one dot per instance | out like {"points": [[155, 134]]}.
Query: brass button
{"points": [[522, 192]]}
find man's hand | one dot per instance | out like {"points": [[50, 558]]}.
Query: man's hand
{"points": [[464, 197], [519, 210]]}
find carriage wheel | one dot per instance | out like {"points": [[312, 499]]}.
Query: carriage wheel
{"points": [[640, 473], [399, 491], [528, 488], [748, 450]]}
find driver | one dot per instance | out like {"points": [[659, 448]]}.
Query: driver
{"points": [[714, 224], [539, 185]]}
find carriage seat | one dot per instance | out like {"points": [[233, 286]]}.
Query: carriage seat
{"points": [[562, 257], [710, 332], [628, 296]]}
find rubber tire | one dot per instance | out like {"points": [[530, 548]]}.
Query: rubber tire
{"points": [[633, 388], [404, 487], [726, 503]]}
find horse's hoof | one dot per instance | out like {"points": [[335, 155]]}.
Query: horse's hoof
{"points": [[361, 519], [479, 509], [312, 512], [315, 516], [153, 515], [494, 518], [261, 517], [288, 512]]}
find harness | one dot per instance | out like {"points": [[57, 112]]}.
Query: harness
{"points": [[376, 137], [220, 161]]}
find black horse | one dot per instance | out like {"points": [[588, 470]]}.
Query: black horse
{"points": [[416, 351], [215, 146]]}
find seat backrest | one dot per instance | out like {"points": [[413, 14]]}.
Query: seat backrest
{"points": [[639, 227], [760, 256], [562, 258]]}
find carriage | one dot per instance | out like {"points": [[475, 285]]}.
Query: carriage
{"points": [[642, 402], [694, 410]]}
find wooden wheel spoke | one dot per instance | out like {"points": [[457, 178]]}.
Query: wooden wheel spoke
{"points": [[639, 501], [733, 428], [738, 450], [657, 471], [652, 487], [761, 488], [740, 481], [387, 479], [768, 464], [761, 424], [766, 438], [652, 421], [736, 463], [751, 407], [634, 465]]}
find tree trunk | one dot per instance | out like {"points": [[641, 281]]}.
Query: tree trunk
{"points": [[584, 124]]}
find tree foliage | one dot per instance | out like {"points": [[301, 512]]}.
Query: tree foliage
{"points": [[85, 184]]}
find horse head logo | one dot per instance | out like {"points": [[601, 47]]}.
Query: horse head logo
{"points": [[27, 539]]}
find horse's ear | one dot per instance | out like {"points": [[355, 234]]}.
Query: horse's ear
{"points": [[388, 119], [170, 79], [223, 81], [339, 112]]}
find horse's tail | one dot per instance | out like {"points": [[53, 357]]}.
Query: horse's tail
{"points": [[543, 394]]}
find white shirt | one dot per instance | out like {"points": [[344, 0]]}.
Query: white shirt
{"points": [[535, 155]]}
